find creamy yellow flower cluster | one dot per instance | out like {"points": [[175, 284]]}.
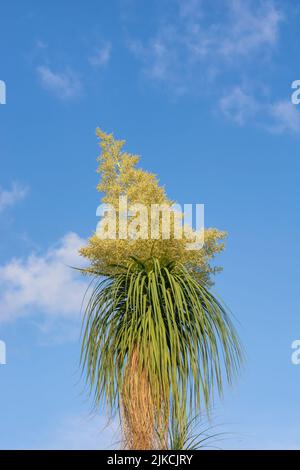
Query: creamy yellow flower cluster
{"points": [[121, 177]]}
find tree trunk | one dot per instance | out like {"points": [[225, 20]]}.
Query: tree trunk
{"points": [[144, 421]]}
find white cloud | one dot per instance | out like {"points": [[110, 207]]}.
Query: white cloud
{"points": [[238, 106], [8, 197], [277, 117], [65, 85], [44, 284], [101, 56], [161, 61], [200, 42], [214, 37], [285, 117], [252, 26]]}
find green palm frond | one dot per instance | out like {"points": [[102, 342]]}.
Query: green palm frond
{"points": [[193, 435], [183, 334]]}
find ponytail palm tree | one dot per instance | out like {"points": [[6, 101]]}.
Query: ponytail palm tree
{"points": [[156, 343]]}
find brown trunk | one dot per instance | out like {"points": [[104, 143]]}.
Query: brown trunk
{"points": [[141, 415]]}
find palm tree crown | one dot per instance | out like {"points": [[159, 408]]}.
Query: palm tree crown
{"points": [[155, 344]]}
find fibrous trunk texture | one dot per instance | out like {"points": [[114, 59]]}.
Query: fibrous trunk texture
{"points": [[144, 418]]}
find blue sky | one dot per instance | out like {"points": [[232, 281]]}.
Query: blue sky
{"points": [[202, 91]]}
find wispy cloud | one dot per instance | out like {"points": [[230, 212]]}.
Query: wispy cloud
{"points": [[9, 197], [277, 117], [44, 284], [101, 55], [251, 27], [65, 85], [198, 42], [238, 106], [285, 118], [212, 37]]}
